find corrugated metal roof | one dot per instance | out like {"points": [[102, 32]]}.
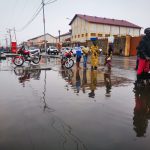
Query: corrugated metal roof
{"points": [[107, 21], [41, 36]]}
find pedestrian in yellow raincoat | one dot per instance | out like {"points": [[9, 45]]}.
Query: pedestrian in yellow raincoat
{"points": [[94, 55]]}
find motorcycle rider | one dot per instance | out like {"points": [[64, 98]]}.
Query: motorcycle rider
{"points": [[143, 54]]}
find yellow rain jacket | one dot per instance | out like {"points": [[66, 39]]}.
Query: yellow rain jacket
{"points": [[94, 55]]}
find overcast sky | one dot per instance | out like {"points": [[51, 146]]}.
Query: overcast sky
{"points": [[16, 13]]}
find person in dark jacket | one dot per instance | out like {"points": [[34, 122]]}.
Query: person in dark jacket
{"points": [[143, 54]]}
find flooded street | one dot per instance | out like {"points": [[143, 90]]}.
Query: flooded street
{"points": [[62, 109]]}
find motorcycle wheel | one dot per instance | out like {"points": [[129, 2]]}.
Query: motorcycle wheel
{"points": [[36, 59], [18, 61], [69, 63]]}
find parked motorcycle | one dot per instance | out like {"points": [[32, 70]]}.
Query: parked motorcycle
{"points": [[25, 55], [66, 60]]}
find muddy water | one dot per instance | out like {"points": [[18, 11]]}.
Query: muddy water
{"points": [[72, 110]]}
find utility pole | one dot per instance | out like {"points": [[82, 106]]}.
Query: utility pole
{"points": [[9, 32], [59, 35], [44, 25], [6, 42], [15, 34]]}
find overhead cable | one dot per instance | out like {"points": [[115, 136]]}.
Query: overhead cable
{"points": [[49, 2], [32, 19]]}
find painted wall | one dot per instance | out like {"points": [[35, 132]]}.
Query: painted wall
{"points": [[134, 43], [80, 27]]}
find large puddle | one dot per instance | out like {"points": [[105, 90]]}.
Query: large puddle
{"points": [[63, 109]]}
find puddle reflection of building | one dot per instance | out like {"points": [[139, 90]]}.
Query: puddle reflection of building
{"points": [[141, 110]]}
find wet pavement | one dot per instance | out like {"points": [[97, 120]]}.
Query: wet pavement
{"points": [[62, 109]]}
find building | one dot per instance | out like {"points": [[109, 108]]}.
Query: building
{"points": [[86, 27], [64, 39], [39, 40]]}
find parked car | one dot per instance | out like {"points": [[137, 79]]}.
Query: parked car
{"points": [[34, 49], [52, 50]]}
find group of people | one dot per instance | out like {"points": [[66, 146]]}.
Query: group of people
{"points": [[96, 56]]}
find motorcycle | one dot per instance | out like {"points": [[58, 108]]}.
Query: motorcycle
{"points": [[25, 55], [66, 60]]}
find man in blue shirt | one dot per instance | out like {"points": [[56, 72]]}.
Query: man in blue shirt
{"points": [[78, 56]]}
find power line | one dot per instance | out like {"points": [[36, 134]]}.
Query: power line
{"points": [[32, 19], [36, 14], [50, 1]]}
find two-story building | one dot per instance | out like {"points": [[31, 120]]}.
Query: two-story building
{"points": [[86, 27]]}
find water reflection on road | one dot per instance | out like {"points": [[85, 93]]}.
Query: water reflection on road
{"points": [[85, 80], [141, 110], [72, 109]]}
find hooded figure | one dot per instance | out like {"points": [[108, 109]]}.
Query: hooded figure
{"points": [[143, 53], [143, 49]]}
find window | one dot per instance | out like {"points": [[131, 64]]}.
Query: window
{"points": [[86, 34], [115, 35], [107, 35], [82, 35], [93, 34], [78, 36], [100, 35]]}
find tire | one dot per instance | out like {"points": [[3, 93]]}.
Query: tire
{"points": [[48, 52], [36, 59], [69, 63], [18, 61]]}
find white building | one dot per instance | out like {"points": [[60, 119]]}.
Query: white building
{"points": [[39, 40], [64, 38], [85, 27]]}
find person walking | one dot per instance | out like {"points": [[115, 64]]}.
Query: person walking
{"points": [[94, 56], [78, 56], [108, 57], [85, 51]]}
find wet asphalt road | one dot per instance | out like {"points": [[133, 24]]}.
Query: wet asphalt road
{"points": [[73, 109]]}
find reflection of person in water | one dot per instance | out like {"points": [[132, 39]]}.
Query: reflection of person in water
{"points": [[141, 110], [84, 80], [107, 80], [78, 80], [93, 83]]}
